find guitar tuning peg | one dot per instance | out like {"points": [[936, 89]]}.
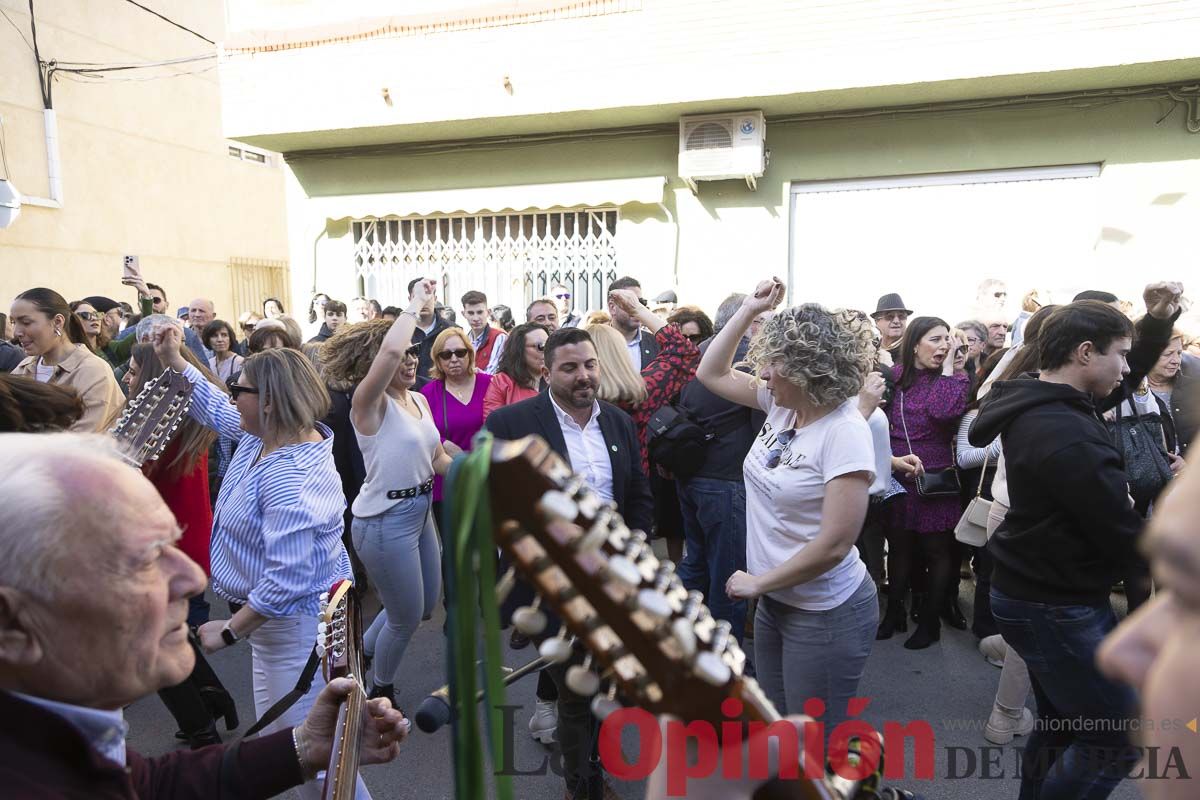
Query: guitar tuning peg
{"points": [[624, 571], [685, 636], [556, 650], [712, 669], [320, 649], [721, 635], [605, 704], [581, 680], [654, 603], [595, 538], [325, 597], [322, 628], [557, 505], [529, 620]]}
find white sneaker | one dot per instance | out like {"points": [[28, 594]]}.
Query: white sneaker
{"points": [[544, 721], [993, 649], [1004, 724]]}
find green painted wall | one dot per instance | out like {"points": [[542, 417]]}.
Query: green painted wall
{"points": [[728, 235]]}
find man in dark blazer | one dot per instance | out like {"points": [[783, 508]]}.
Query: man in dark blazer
{"points": [[70, 664], [600, 443], [639, 341]]}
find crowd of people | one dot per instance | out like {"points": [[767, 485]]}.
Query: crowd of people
{"points": [[810, 470]]}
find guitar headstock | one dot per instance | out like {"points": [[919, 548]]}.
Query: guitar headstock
{"points": [[339, 633], [151, 419], [656, 642]]}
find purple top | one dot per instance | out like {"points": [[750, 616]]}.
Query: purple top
{"points": [[932, 408], [455, 422]]}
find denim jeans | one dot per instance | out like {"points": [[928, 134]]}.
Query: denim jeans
{"points": [[1080, 749], [714, 529], [801, 654], [400, 550]]}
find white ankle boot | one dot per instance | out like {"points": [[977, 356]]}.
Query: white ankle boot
{"points": [[1005, 723], [544, 721]]}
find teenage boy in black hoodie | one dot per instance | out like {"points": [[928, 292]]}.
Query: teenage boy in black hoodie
{"points": [[1070, 533]]}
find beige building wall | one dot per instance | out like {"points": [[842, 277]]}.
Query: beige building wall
{"points": [[457, 69], [146, 168]]}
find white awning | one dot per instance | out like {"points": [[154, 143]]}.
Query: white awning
{"points": [[539, 196]]}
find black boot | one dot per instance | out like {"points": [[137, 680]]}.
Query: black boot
{"points": [[953, 615], [929, 629], [918, 606], [187, 706], [894, 620]]}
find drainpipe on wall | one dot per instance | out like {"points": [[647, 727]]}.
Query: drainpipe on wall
{"points": [[316, 242], [675, 258], [53, 165]]}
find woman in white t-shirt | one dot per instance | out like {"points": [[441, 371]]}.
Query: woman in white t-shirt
{"points": [[807, 480]]}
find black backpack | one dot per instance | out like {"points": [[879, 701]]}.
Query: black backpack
{"points": [[677, 440]]}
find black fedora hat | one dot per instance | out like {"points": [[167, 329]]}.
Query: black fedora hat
{"points": [[890, 302]]}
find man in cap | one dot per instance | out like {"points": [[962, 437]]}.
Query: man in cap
{"points": [[891, 318]]}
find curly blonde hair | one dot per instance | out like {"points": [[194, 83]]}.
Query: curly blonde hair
{"points": [[347, 355], [820, 351]]}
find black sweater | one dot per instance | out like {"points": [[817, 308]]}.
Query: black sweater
{"points": [[1071, 530]]}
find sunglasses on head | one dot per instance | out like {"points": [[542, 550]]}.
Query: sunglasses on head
{"points": [[236, 389], [460, 354]]}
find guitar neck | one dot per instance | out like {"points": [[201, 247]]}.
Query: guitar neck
{"points": [[342, 776]]}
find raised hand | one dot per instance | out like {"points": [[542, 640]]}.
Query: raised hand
{"points": [[767, 296], [626, 300], [168, 341], [1163, 298], [423, 293]]}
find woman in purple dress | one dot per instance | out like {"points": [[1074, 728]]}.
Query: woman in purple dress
{"points": [[930, 396], [455, 397]]}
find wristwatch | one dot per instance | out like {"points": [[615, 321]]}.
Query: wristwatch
{"points": [[229, 636]]}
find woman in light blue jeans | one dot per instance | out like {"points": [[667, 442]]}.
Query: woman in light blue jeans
{"points": [[400, 549], [392, 530]]}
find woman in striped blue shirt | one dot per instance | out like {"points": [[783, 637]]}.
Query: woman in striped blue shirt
{"points": [[277, 534]]}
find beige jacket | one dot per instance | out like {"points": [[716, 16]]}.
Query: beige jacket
{"points": [[92, 379]]}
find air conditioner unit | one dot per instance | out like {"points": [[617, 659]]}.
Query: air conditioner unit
{"points": [[716, 147]]}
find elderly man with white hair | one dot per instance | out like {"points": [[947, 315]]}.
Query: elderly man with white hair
{"points": [[79, 644]]}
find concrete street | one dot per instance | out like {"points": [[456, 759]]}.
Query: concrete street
{"points": [[950, 685]]}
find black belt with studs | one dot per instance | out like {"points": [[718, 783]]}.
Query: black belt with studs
{"points": [[412, 491]]}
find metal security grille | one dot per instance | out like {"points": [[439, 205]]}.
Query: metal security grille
{"points": [[513, 258], [254, 280]]}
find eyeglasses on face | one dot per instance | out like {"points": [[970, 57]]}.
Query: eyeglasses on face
{"points": [[563, 296], [236, 389], [695, 338], [88, 316], [775, 454], [413, 352], [962, 350], [460, 354], [541, 346]]}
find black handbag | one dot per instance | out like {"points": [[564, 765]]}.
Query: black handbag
{"points": [[932, 482], [677, 440], [1140, 439]]}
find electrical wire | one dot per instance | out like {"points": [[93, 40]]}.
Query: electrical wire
{"points": [[94, 78], [20, 32], [98, 65], [168, 19], [42, 81]]}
